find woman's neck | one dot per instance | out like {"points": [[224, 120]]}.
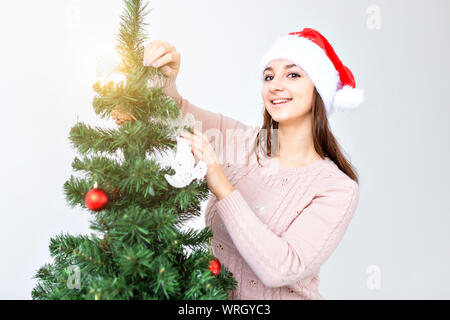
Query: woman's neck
{"points": [[295, 144]]}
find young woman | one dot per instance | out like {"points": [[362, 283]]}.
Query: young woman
{"points": [[275, 228]]}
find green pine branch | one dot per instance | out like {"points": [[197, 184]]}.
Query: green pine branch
{"points": [[138, 250], [134, 137]]}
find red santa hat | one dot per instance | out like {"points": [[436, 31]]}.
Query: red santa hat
{"points": [[314, 54]]}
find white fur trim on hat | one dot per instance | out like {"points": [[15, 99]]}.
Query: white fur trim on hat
{"points": [[348, 98]]}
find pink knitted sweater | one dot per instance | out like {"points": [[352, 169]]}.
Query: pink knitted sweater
{"points": [[277, 228]]}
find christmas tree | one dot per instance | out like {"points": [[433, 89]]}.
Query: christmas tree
{"points": [[137, 249]]}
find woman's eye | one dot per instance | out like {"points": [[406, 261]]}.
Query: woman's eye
{"points": [[296, 76]]}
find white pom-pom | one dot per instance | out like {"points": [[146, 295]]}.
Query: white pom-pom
{"points": [[348, 98]]}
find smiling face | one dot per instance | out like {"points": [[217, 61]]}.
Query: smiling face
{"points": [[285, 80]]}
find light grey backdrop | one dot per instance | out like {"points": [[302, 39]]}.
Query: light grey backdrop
{"points": [[397, 245]]}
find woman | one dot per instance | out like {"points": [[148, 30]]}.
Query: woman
{"points": [[274, 228]]}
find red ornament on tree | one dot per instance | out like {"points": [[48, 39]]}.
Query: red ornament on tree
{"points": [[214, 266], [96, 199]]}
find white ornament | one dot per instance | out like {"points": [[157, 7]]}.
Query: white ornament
{"points": [[184, 165], [182, 161]]}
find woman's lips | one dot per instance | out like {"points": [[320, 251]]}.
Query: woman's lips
{"points": [[281, 104]]}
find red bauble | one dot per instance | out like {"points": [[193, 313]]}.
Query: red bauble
{"points": [[214, 266], [96, 199]]}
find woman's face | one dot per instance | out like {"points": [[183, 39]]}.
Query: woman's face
{"points": [[283, 79]]}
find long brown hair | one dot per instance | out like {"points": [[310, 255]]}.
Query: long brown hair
{"points": [[324, 141]]}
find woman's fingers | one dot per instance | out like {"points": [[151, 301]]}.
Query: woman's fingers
{"points": [[155, 54], [198, 153], [200, 146], [150, 48], [190, 137], [171, 59], [167, 71], [163, 55], [155, 50], [168, 63]]}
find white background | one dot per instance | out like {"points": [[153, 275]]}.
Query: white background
{"points": [[397, 245]]}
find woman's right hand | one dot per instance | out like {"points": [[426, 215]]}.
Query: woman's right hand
{"points": [[163, 55]]}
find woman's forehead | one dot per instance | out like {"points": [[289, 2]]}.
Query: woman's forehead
{"points": [[281, 63]]}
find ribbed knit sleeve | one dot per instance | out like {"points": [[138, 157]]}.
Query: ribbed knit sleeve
{"points": [[307, 242], [224, 133], [210, 120]]}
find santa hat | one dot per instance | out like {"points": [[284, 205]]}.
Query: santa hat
{"points": [[314, 54]]}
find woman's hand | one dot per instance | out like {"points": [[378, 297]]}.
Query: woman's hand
{"points": [[164, 56], [216, 179], [160, 54]]}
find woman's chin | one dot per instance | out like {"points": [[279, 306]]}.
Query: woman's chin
{"points": [[279, 117]]}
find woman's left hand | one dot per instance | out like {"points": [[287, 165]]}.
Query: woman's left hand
{"points": [[216, 179]]}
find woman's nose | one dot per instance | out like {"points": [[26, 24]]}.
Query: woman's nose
{"points": [[275, 85]]}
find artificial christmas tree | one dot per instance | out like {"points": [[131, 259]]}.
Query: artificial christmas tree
{"points": [[138, 249]]}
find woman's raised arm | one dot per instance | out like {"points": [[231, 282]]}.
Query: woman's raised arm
{"points": [[162, 55]]}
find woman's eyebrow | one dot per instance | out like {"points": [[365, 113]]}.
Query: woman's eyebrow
{"points": [[285, 67]]}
